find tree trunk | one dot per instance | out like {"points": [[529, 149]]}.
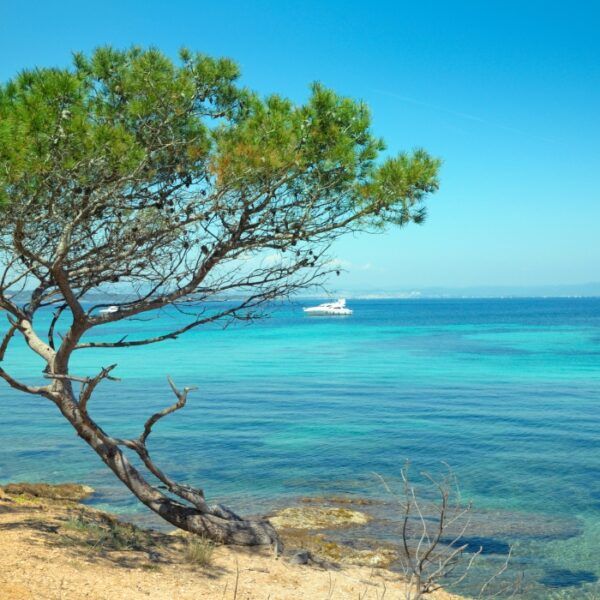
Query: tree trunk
{"points": [[215, 522]]}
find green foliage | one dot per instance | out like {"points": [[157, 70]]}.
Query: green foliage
{"points": [[99, 121], [106, 534], [199, 551], [117, 114]]}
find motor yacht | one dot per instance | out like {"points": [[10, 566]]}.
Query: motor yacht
{"points": [[109, 310], [329, 308]]}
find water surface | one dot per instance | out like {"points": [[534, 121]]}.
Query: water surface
{"points": [[506, 391]]}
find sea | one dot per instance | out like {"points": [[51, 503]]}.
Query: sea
{"points": [[504, 392]]}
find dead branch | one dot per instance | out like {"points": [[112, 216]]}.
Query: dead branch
{"points": [[23, 387], [6, 339], [427, 560], [181, 400], [90, 385]]}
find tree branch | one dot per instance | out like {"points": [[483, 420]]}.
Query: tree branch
{"points": [[193, 495], [23, 387], [7, 338], [90, 385], [181, 400]]}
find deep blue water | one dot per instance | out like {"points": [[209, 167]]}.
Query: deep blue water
{"points": [[506, 391]]}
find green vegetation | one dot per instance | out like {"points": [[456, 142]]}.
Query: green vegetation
{"points": [[199, 551], [106, 534], [112, 115]]}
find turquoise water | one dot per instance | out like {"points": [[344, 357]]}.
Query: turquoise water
{"points": [[506, 391]]}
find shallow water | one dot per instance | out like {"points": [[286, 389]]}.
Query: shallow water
{"points": [[506, 391]]}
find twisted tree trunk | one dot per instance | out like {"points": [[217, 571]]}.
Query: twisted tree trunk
{"points": [[215, 522], [188, 509]]}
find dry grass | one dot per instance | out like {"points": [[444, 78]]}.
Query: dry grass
{"points": [[199, 551], [106, 534]]}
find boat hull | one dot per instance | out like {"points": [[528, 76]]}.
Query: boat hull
{"points": [[327, 313]]}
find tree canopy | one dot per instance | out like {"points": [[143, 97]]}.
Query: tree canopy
{"points": [[143, 164]]}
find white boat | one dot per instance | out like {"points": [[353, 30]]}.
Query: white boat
{"points": [[110, 310], [329, 308]]}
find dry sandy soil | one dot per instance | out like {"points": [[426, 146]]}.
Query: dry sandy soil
{"points": [[52, 549]]}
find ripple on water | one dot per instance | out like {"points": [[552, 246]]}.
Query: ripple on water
{"points": [[506, 391]]}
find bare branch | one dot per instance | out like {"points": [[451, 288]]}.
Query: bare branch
{"points": [[55, 318], [7, 338], [428, 560], [23, 387], [90, 385], [181, 400]]}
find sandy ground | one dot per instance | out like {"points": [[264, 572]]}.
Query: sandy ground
{"points": [[43, 557]]}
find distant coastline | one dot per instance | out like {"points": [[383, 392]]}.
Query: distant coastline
{"points": [[585, 290]]}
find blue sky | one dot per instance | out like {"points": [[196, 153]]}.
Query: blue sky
{"points": [[506, 93]]}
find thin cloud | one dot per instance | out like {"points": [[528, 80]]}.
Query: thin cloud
{"points": [[339, 263], [346, 265], [463, 115]]}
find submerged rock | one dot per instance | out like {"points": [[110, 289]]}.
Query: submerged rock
{"points": [[357, 501], [562, 578], [495, 530], [73, 492], [318, 517]]}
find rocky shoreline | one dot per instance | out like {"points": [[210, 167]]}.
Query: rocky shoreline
{"points": [[52, 546]]}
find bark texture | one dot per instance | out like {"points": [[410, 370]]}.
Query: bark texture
{"points": [[216, 522]]}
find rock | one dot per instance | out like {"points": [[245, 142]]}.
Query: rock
{"points": [[62, 491], [378, 557], [300, 558], [321, 549], [322, 517]]}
